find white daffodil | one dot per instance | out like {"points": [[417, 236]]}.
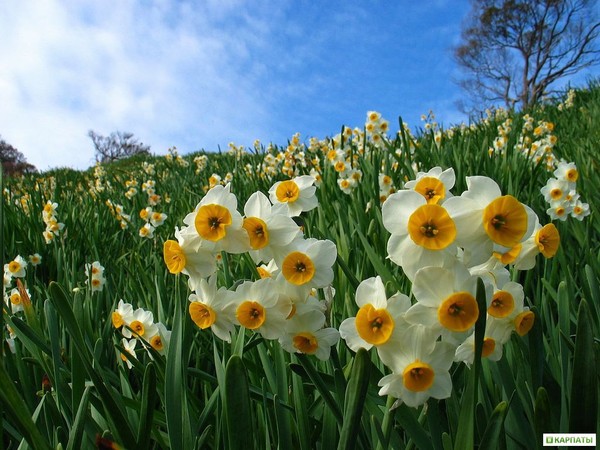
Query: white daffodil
{"points": [[425, 234], [308, 262], [211, 307], [377, 320], [445, 299], [16, 268], [433, 185], [187, 256], [508, 312], [305, 333], [259, 307], [420, 368], [122, 315], [267, 230], [141, 325], [129, 347], [218, 223], [295, 196], [545, 240], [492, 345], [501, 219]]}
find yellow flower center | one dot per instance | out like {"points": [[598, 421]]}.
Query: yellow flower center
{"points": [[15, 298], [306, 342], [572, 175], [173, 256], [458, 312], [202, 315], [14, 267], [257, 232], [431, 227], [263, 273], [117, 319], [251, 314], [287, 191], [510, 256], [505, 221], [211, 222], [298, 268], [489, 345], [431, 188], [157, 343], [556, 193], [502, 304], [524, 322], [375, 326], [418, 376], [548, 240], [137, 327]]}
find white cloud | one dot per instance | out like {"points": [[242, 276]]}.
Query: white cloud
{"points": [[202, 74], [159, 71]]}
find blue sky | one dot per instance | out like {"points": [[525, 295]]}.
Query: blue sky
{"points": [[198, 75]]}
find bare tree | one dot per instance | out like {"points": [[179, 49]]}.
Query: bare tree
{"points": [[13, 161], [116, 146], [514, 51]]}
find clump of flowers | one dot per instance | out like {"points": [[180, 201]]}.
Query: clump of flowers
{"points": [[568, 102], [444, 243], [118, 213], [282, 304], [173, 155], [15, 269], [561, 194], [53, 226], [139, 325], [95, 276], [153, 219]]}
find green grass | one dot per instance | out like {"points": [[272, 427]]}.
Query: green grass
{"points": [[206, 393]]}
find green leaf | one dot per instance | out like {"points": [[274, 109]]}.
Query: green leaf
{"points": [[413, 428], [318, 382], [176, 404], [16, 409], [541, 416], [584, 389], [149, 395], [465, 434], [356, 393], [76, 433], [491, 435], [114, 409], [237, 406]]}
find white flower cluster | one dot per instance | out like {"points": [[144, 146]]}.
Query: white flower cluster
{"points": [[282, 304], [561, 194], [53, 226]]}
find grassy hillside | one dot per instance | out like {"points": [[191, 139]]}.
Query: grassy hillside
{"points": [[73, 376]]}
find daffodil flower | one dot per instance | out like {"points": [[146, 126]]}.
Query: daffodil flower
{"points": [[433, 185], [218, 223], [308, 262], [502, 219], [420, 368], [445, 299], [266, 229], [422, 233], [377, 320], [305, 333], [211, 307], [259, 307], [294, 196]]}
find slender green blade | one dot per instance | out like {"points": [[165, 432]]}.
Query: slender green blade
{"points": [[356, 393], [237, 406], [584, 388]]}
